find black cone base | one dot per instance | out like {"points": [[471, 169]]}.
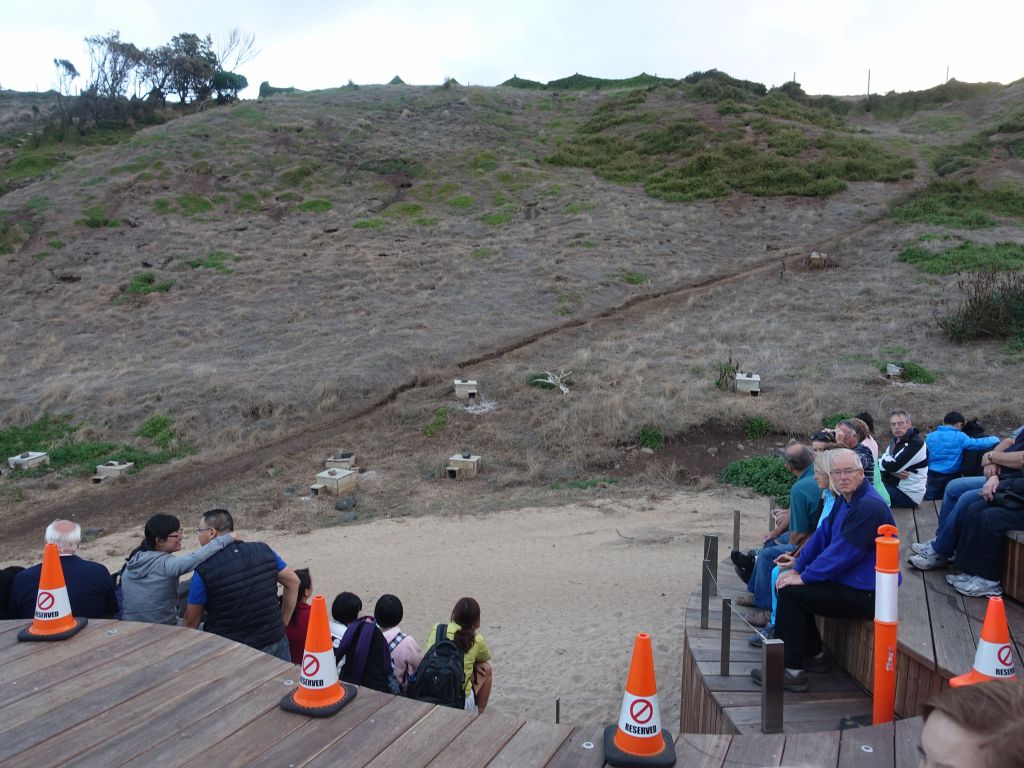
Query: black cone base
{"points": [[348, 693], [27, 636], [615, 756]]}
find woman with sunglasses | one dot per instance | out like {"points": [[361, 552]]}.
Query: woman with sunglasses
{"points": [[149, 578]]}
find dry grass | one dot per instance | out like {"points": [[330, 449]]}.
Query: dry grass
{"points": [[319, 319]]}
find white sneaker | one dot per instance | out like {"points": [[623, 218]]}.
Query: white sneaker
{"points": [[926, 562], [922, 548], [975, 586], [954, 578]]}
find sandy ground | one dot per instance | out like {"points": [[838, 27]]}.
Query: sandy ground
{"points": [[563, 590]]}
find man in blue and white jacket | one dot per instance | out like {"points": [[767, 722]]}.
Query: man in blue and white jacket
{"points": [[905, 462], [834, 573]]}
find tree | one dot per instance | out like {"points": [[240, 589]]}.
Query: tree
{"points": [[192, 65], [66, 73], [236, 49], [113, 64], [228, 84]]}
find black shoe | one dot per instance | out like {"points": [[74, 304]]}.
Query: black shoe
{"points": [[791, 682], [819, 665], [744, 565]]}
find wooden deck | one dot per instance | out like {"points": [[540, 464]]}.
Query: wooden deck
{"points": [[938, 636], [128, 694]]}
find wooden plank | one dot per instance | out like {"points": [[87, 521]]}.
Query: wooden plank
{"points": [[221, 692], [698, 750], [478, 743], [907, 738], [61, 735], [372, 736], [67, 659], [320, 735], [420, 743], [762, 751], [915, 631], [534, 745], [194, 741], [827, 713], [248, 743], [71, 701], [867, 747], [803, 749], [583, 749]]}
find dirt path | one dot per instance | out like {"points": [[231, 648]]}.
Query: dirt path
{"points": [[157, 489]]}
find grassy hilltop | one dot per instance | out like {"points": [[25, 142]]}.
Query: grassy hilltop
{"points": [[252, 275]]}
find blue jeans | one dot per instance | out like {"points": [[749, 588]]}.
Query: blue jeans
{"points": [[280, 649], [761, 583], [960, 494]]}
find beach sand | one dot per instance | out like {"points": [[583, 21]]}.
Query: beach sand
{"points": [[563, 590]]}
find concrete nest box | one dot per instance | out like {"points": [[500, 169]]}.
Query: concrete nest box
{"points": [[463, 465], [341, 460], [748, 382], [466, 389], [893, 371], [29, 460]]}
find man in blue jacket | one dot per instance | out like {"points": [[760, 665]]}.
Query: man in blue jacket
{"points": [[946, 446], [834, 573]]}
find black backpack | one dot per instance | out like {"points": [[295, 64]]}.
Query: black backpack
{"points": [[440, 676]]}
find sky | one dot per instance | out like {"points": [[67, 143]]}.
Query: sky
{"points": [[310, 44]]}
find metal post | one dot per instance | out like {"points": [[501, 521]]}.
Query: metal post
{"points": [[773, 670], [558, 711], [711, 559], [736, 529], [705, 587], [726, 634]]}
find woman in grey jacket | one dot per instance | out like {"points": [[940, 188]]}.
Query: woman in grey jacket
{"points": [[149, 580]]}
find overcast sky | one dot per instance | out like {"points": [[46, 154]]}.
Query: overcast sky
{"points": [[310, 44]]}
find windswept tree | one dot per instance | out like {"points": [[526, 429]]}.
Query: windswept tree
{"points": [[236, 49], [228, 84], [114, 66], [193, 63], [66, 73]]}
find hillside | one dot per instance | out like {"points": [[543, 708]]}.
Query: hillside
{"points": [[275, 279]]}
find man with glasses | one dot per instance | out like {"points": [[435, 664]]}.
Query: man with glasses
{"points": [[238, 588], [905, 462], [834, 573]]}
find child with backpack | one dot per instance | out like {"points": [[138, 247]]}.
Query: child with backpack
{"points": [[405, 652], [363, 658], [458, 636]]}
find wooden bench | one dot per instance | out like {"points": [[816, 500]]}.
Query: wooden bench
{"points": [[129, 694], [1013, 569]]}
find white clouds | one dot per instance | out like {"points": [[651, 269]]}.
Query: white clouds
{"points": [[317, 43]]}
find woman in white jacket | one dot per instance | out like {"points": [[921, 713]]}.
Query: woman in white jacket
{"points": [[149, 579]]}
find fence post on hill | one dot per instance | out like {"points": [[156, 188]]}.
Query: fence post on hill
{"points": [[735, 530], [711, 559], [705, 587], [773, 669], [726, 634]]}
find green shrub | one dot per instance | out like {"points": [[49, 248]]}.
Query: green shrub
{"points": [[965, 257], [992, 307], [369, 224], [438, 422], [145, 283], [633, 278], [496, 219], [95, 217], [462, 202], [961, 204], [651, 437], [766, 475], [159, 429], [403, 209], [917, 373], [315, 206], [758, 427], [191, 204], [248, 201], [217, 260], [163, 206], [830, 421], [426, 221], [295, 176]]}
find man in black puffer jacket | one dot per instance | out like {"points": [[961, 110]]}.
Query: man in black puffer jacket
{"points": [[238, 589]]}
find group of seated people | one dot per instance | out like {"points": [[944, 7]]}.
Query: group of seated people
{"points": [[819, 559], [233, 592]]}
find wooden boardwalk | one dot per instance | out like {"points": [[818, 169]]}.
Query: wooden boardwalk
{"points": [[938, 636], [128, 694]]}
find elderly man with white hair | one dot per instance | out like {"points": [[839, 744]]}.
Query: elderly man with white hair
{"points": [[90, 586]]}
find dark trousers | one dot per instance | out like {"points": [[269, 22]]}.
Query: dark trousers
{"points": [[937, 482], [898, 498], [981, 546], [798, 605]]}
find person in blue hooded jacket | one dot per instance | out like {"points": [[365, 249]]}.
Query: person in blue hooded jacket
{"points": [[946, 446], [834, 574]]}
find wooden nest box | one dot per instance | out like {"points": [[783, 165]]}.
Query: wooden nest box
{"points": [[466, 389], [462, 465], [341, 460], [748, 382], [337, 481], [29, 460]]}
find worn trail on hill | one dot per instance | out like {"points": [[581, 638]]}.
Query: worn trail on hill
{"points": [[156, 491]]}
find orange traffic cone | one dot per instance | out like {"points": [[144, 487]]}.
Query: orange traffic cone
{"points": [[637, 739], [994, 657], [319, 693], [53, 619]]}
